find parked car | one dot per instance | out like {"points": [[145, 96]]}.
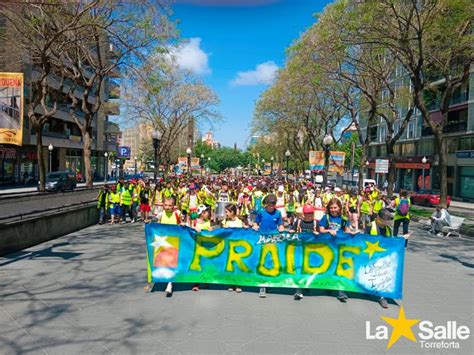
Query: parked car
{"points": [[427, 198], [60, 181]]}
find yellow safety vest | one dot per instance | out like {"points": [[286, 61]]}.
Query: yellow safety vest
{"points": [[172, 218], [353, 202], [126, 197], [378, 204], [365, 207], [115, 197]]}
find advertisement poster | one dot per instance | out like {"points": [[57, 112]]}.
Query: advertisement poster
{"points": [[11, 108]]}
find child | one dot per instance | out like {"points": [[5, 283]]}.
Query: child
{"points": [[365, 209], [232, 221], [169, 216], [114, 198], [203, 222], [307, 224], [352, 208], [333, 222], [268, 221], [145, 202]]}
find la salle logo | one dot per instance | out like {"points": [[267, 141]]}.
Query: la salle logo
{"points": [[431, 336]]}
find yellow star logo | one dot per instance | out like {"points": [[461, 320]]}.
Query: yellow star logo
{"points": [[373, 248], [401, 327]]}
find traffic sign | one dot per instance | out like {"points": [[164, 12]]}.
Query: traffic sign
{"points": [[123, 152], [381, 166]]}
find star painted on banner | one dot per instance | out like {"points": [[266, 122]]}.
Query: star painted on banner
{"points": [[161, 242], [401, 327], [373, 248]]}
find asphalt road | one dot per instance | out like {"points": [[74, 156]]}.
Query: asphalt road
{"points": [[83, 294]]}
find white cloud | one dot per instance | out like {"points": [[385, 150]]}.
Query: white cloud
{"points": [[190, 56], [263, 74]]}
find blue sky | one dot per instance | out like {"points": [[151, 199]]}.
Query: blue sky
{"points": [[235, 46]]}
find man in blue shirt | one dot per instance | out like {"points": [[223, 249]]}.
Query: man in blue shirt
{"points": [[268, 221]]}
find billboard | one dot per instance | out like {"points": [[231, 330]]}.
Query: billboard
{"points": [[11, 108], [336, 161]]}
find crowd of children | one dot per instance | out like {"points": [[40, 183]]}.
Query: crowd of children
{"points": [[266, 205]]}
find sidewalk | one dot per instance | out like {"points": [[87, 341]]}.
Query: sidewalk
{"points": [[465, 205]]}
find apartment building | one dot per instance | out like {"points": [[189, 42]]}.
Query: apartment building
{"points": [[18, 164], [417, 142]]}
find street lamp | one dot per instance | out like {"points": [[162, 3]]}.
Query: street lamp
{"points": [[135, 158], [50, 148], [201, 163], [271, 167], [287, 156], [424, 161], [209, 164], [188, 152], [327, 141], [106, 166], [156, 137]]}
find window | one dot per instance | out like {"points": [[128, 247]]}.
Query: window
{"points": [[426, 147], [408, 149], [411, 130], [466, 143], [451, 145], [382, 133]]}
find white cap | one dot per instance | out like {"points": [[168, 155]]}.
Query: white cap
{"points": [[337, 189], [281, 188]]}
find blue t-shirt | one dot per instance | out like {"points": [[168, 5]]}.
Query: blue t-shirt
{"points": [[268, 222], [334, 223]]}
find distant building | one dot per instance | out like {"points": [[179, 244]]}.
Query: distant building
{"points": [[209, 140]]}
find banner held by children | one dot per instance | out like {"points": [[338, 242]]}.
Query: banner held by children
{"points": [[360, 263]]}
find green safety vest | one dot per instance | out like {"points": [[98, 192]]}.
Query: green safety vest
{"points": [[375, 231], [126, 197], [378, 204], [365, 207]]}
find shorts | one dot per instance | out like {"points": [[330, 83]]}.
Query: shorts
{"points": [[115, 210], [352, 209], [145, 207]]}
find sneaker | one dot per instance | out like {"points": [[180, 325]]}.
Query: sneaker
{"points": [[298, 296], [440, 234], [149, 287], [169, 289], [238, 290], [383, 302], [342, 296], [230, 289], [263, 292], [123, 222], [195, 287]]}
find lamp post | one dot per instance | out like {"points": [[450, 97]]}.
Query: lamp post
{"points": [[271, 166], [201, 163], [263, 166], [287, 156], [424, 161], [50, 148], [366, 169], [327, 141], [106, 166], [209, 164], [188, 152], [156, 137], [135, 158]]}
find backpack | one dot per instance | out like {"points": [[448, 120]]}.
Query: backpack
{"points": [[258, 203], [403, 207]]}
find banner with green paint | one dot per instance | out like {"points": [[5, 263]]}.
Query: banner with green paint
{"points": [[358, 263]]}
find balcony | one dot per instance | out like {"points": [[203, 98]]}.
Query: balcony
{"points": [[114, 90], [112, 108], [455, 127]]}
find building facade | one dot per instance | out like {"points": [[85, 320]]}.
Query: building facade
{"points": [[417, 142]]}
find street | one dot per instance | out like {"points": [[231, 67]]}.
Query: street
{"points": [[83, 293]]}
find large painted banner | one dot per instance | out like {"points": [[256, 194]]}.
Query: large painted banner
{"points": [[360, 263], [11, 108], [336, 161]]}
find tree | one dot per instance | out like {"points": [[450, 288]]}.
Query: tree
{"points": [[433, 41], [34, 33], [167, 99], [116, 36]]}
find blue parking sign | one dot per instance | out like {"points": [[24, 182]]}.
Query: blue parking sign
{"points": [[123, 152]]}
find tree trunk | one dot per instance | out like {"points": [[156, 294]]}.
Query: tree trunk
{"points": [[443, 169], [391, 169], [39, 156], [362, 167], [87, 140]]}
